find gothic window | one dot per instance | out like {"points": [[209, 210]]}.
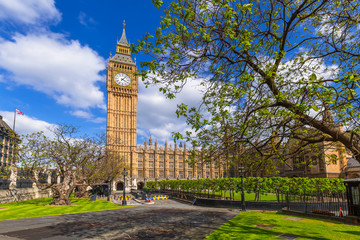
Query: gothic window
{"points": [[161, 164], [190, 174], [181, 175], [180, 157], [171, 157], [207, 166], [151, 164], [171, 164], [161, 173], [140, 173], [161, 156], [151, 173], [313, 160], [140, 155], [299, 163], [171, 174], [180, 165], [151, 156], [333, 158], [140, 165]]}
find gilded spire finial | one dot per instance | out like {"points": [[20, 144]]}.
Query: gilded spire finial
{"points": [[123, 39]]}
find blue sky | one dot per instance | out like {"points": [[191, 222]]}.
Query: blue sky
{"points": [[53, 56]]}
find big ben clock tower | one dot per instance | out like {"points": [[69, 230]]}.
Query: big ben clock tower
{"points": [[122, 95]]}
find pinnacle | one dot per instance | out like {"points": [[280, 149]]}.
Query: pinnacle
{"points": [[123, 39]]}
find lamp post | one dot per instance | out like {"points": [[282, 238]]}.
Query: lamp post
{"points": [[241, 172], [109, 191], [156, 183], [124, 199]]}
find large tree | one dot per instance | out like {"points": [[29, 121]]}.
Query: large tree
{"points": [[68, 158], [102, 169], [272, 70]]}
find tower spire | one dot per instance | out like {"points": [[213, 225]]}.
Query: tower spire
{"points": [[123, 39]]}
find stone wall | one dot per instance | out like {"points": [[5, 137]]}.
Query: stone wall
{"points": [[22, 194]]}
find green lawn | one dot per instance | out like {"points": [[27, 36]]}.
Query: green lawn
{"points": [[243, 226], [38, 208], [250, 196]]}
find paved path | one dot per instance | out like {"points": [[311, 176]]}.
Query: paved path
{"points": [[165, 219]]}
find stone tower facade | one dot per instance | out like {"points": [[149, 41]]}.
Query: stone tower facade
{"points": [[122, 95]]}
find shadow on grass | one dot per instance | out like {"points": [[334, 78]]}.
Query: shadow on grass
{"points": [[321, 218], [233, 231], [356, 233]]}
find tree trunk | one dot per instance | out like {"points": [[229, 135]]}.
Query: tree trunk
{"points": [[80, 191], [61, 191]]}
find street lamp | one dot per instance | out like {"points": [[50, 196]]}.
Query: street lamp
{"points": [[109, 191], [241, 173], [125, 173]]}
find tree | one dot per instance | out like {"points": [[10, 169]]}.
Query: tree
{"points": [[272, 70], [64, 157], [103, 167]]}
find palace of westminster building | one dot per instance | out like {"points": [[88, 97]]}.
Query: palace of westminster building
{"points": [[151, 161], [148, 161]]}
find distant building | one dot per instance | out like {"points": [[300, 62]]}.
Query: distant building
{"points": [[148, 161], [7, 139], [352, 169], [322, 160], [325, 160], [170, 162]]}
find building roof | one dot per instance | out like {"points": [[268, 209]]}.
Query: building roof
{"points": [[121, 58], [352, 162], [4, 127]]}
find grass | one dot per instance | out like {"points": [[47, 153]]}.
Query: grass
{"points": [[39, 208], [243, 227], [251, 196]]}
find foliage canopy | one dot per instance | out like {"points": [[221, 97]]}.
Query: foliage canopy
{"points": [[272, 70]]}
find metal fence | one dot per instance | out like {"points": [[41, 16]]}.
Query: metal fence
{"points": [[332, 204], [325, 203], [4, 184], [24, 183]]}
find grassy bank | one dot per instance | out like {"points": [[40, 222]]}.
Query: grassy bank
{"points": [[41, 208], [259, 225]]}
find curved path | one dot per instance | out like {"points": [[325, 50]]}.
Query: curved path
{"points": [[165, 219]]}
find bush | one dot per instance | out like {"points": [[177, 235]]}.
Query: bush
{"points": [[146, 189]]}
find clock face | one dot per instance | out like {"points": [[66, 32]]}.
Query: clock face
{"points": [[122, 79]]}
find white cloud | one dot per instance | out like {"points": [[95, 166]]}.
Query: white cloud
{"points": [[29, 11], [157, 114], [62, 69], [85, 20], [98, 120], [81, 114], [88, 116], [26, 124]]}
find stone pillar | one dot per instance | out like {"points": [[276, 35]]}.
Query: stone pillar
{"points": [[13, 177]]}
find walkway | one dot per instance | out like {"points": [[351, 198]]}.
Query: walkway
{"points": [[166, 219]]}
